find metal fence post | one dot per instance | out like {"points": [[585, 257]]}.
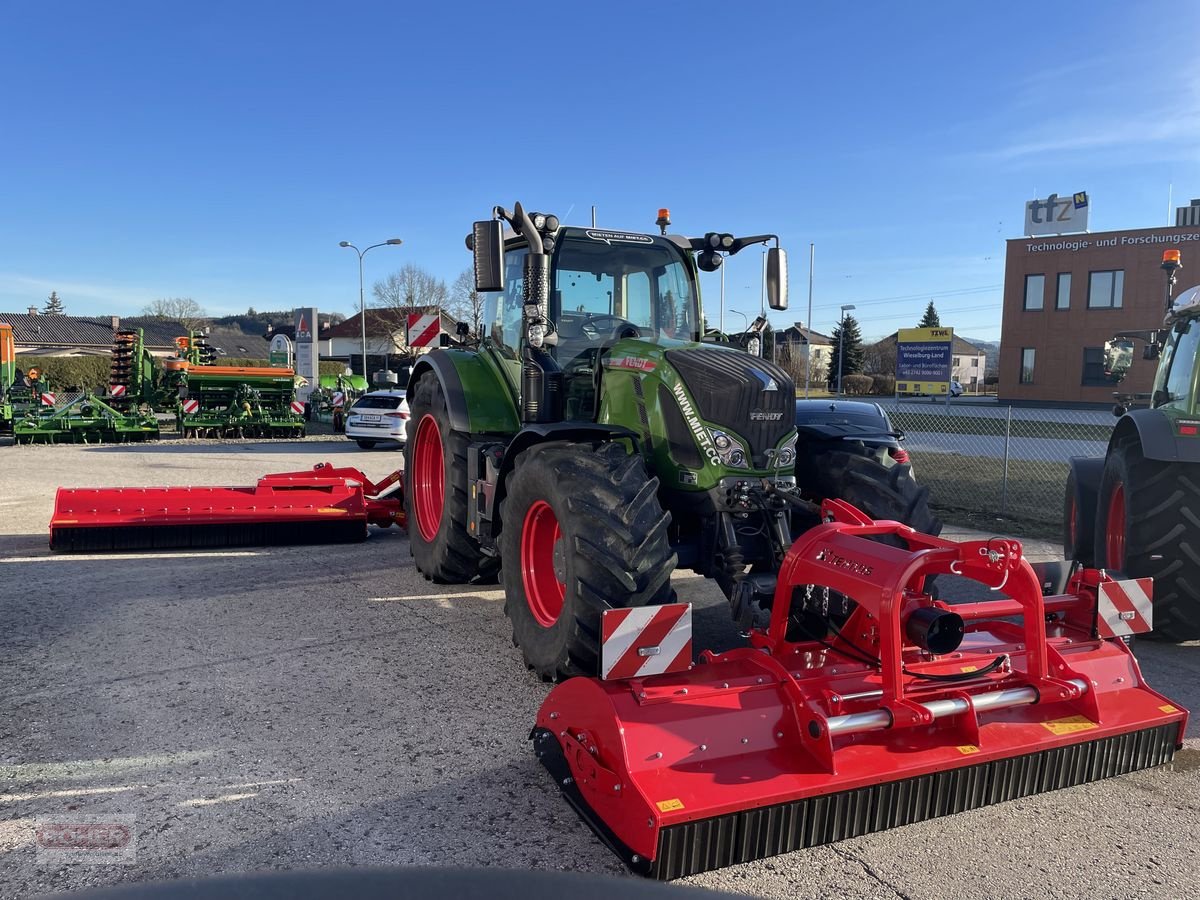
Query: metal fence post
{"points": [[1004, 483]]}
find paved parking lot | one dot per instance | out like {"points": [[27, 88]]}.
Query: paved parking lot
{"points": [[313, 707]]}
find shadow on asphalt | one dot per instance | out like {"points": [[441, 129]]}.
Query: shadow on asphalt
{"points": [[296, 448]]}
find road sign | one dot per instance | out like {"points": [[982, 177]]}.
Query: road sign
{"points": [[423, 329]]}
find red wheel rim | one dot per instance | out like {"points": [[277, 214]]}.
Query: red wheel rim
{"points": [[428, 479], [541, 541], [1114, 537]]}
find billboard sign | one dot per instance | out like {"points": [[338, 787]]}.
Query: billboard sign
{"points": [[1057, 215], [281, 351], [924, 357], [305, 322]]}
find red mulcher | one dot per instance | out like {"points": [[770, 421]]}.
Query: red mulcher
{"points": [[321, 506], [909, 709]]}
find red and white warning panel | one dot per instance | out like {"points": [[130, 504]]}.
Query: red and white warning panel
{"points": [[298, 407], [1125, 607], [423, 329], [116, 391], [646, 640], [191, 406], [48, 399]]}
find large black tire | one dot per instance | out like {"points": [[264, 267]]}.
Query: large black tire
{"points": [[365, 445], [583, 532], [1078, 530], [882, 492], [435, 491], [1159, 530]]}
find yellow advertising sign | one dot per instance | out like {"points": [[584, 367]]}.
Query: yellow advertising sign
{"points": [[923, 360]]}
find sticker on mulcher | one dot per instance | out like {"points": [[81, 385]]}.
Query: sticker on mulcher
{"points": [[968, 748], [1168, 708], [669, 805], [1069, 725]]}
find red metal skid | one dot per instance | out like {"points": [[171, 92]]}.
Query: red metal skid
{"points": [[782, 721], [319, 494]]}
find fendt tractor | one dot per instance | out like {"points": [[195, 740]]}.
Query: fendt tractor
{"points": [[1137, 509], [592, 444]]}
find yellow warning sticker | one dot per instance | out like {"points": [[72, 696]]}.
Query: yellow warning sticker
{"points": [[669, 805], [1069, 725], [332, 510], [968, 748], [970, 668], [1168, 708]]}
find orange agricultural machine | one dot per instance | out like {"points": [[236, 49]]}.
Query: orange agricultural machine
{"points": [[320, 506]]}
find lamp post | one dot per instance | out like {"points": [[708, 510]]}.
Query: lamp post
{"points": [[362, 302], [842, 346]]}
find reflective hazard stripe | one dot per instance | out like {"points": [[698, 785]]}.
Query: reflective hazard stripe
{"points": [[648, 640], [339, 399], [422, 329], [191, 406], [117, 390], [48, 399], [298, 407], [1125, 607]]}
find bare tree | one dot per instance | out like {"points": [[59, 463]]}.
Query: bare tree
{"points": [[410, 287], [184, 310], [880, 357], [466, 304]]}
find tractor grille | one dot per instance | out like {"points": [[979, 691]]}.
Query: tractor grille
{"points": [[729, 390], [771, 830]]}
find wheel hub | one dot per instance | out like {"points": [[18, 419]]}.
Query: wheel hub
{"points": [[543, 564], [428, 479]]}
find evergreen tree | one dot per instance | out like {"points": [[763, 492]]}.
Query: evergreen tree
{"points": [[851, 346], [54, 306], [931, 318]]}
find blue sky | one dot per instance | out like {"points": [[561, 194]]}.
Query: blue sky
{"points": [[221, 150]]}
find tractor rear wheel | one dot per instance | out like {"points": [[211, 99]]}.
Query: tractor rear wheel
{"points": [[583, 532], [882, 492], [1148, 524], [435, 491]]}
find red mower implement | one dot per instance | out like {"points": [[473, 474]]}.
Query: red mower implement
{"points": [[325, 505], [864, 705]]}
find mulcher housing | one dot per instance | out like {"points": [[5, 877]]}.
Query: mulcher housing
{"points": [[793, 743]]}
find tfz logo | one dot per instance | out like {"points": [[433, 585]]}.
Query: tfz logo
{"points": [[1055, 210]]}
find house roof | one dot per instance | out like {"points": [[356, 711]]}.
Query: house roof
{"points": [[799, 334], [383, 322], [88, 332]]}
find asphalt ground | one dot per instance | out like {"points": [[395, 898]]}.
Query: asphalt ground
{"points": [[326, 706]]}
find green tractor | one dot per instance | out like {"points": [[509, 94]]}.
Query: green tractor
{"points": [[592, 443], [1137, 509]]}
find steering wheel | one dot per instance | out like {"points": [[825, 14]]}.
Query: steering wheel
{"points": [[592, 333]]}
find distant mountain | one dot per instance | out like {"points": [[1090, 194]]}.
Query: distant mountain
{"points": [[991, 350]]}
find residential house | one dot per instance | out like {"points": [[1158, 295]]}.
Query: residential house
{"points": [[387, 336], [36, 334]]}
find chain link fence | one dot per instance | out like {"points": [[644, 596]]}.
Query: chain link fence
{"points": [[990, 464]]}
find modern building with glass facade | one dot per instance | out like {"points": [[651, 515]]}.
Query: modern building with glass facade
{"points": [[1064, 296]]}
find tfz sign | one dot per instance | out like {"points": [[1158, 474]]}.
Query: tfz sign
{"points": [[1057, 215]]}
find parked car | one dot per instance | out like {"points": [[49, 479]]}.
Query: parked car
{"points": [[378, 417], [956, 389]]}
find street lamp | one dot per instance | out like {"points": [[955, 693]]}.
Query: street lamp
{"points": [[842, 346], [362, 303]]}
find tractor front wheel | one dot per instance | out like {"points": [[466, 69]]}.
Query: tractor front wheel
{"points": [[435, 491], [583, 532], [1148, 524]]}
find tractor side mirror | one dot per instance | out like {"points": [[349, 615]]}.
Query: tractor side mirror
{"points": [[1118, 357], [777, 281], [487, 250], [462, 330], [1150, 351]]}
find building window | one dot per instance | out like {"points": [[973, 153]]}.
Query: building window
{"points": [[1035, 291], [957, 362], [1105, 289], [1027, 355], [1064, 291], [975, 362], [1093, 367]]}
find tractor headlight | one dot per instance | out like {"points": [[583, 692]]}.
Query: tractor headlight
{"points": [[536, 335], [785, 455], [731, 451]]}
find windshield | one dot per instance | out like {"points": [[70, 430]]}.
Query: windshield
{"points": [[610, 282]]}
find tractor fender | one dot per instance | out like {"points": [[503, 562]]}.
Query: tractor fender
{"points": [[567, 432], [477, 398], [1083, 490], [1154, 431]]}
